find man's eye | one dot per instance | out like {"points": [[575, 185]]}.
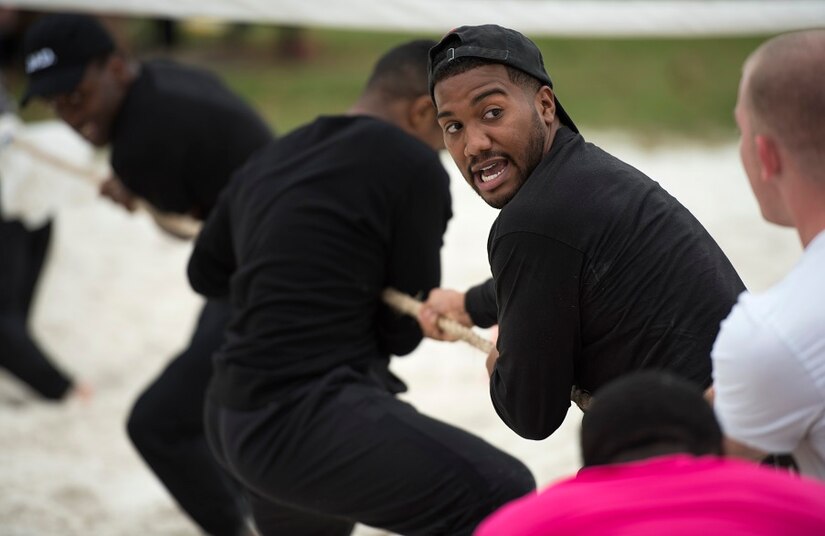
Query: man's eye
{"points": [[492, 113], [452, 128]]}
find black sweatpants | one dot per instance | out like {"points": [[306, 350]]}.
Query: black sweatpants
{"points": [[343, 450], [22, 253], [166, 427]]}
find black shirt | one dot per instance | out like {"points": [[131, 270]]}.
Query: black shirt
{"points": [[598, 271], [179, 136], [305, 238]]}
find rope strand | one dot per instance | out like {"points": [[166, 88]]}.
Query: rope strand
{"points": [[408, 305]]}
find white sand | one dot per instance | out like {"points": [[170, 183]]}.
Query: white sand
{"points": [[114, 306]]}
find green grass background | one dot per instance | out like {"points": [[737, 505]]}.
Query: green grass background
{"points": [[654, 89]]}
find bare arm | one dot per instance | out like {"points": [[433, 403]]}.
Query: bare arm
{"points": [[114, 189], [737, 449], [180, 226], [730, 446]]}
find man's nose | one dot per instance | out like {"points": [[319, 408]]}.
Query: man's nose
{"points": [[477, 141]]}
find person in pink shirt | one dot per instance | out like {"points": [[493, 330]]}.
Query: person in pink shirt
{"points": [[652, 448]]}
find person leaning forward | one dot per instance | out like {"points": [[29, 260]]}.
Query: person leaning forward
{"points": [[176, 134], [597, 270], [301, 407]]}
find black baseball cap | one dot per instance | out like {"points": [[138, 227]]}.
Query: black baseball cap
{"points": [[57, 49], [496, 44]]}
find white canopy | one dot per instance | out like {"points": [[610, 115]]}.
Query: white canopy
{"points": [[532, 17]]}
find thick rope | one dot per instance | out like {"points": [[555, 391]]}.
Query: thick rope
{"points": [[184, 228], [408, 305], [177, 225]]}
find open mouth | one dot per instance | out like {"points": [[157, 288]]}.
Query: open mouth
{"points": [[490, 173]]}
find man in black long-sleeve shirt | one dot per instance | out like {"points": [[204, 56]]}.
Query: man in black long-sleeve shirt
{"points": [[597, 270], [176, 134], [301, 406]]}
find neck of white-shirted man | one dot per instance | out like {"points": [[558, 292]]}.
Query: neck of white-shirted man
{"points": [[802, 191], [812, 227]]}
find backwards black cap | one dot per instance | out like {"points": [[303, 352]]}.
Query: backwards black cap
{"points": [[57, 49], [498, 45]]}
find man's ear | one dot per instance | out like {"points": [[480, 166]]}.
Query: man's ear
{"points": [[769, 157], [118, 65], [421, 113], [545, 102]]}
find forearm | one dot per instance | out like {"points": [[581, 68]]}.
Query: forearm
{"points": [[212, 263], [480, 304], [738, 449], [209, 283], [539, 333]]}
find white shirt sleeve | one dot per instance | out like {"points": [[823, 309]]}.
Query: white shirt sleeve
{"points": [[764, 397]]}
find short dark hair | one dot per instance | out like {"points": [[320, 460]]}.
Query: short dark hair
{"points": [[458, 66], [402, 72], [648, 413]]}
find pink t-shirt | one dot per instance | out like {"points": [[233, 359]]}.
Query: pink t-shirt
{"points": [[670, 495]]}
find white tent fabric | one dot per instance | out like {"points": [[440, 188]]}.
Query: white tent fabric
{"points": [[533, 17]]}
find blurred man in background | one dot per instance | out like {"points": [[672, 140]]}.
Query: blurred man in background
{"points": [[302, 405], [176, 135]]}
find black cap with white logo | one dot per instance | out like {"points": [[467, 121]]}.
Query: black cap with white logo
{"points": [[57, 49], [498, 45]]}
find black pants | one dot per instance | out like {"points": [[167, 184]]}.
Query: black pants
{"points": [[22, 253], [166, 427], [345, 450]]}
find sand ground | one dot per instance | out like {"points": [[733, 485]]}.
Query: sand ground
{"points": [[114, 305]]}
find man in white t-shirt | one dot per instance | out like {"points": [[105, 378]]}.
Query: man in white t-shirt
{"points": [[769, 357]]}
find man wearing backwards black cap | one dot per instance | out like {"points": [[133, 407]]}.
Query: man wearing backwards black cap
{"points": [[176, 136], [596, 269]]}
